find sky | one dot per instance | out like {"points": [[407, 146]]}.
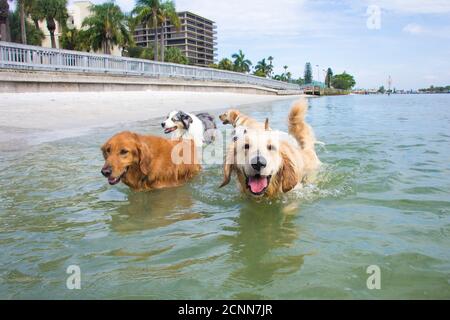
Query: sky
{"points": [[408, 40]]}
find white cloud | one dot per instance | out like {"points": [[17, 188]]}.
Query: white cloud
{"points": [[419, 30], [414, 29], [413, 6]]}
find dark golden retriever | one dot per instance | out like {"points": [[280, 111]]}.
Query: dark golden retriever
{"points": [[148, 162]]}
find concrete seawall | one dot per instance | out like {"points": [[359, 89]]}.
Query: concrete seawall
{"points": [[43, 81]]}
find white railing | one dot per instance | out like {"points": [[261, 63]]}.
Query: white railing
{"points": [[18, 56]]}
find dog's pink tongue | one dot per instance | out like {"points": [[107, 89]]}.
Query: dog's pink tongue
{"points": [[257, 184]]}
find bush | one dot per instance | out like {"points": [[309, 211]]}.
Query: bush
{"points": [[174, 55], [343, 81]]}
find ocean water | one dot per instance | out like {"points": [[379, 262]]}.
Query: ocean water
{"points": [[382, 198]]}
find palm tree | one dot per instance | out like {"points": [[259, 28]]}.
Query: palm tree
{"points": [[167, 12], [147, 12], [288, 76], [174, 55], [34, 35], [225, 64], [52, 11], [32, 10], [270, 58], [106, 27], [4, 21], [262, 68], [240, 63], [23, 32]]}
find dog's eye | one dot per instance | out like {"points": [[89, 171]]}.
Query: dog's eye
{"points": [[123, 152], [246, 146], [108, 150], [270, 147]]}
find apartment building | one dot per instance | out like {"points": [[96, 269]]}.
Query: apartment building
{"points": [[196, 37]]}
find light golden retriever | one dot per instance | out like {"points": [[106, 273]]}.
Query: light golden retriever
{"points": [[146, 162], [268, 164], [238, 119]]}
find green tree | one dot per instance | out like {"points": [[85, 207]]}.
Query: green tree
{"points": [[147, 12], [382, 89], [278, 77], [5, 34], [308, 76], [328, 77], [284, 75], [259, 73], [147, 53], [343, 81], [32, 11], [240, 63], [288, 76], [52, 11], [300, 81], [107, 27], [74, 39], [262, 69], [34, 35], [225, 64], [167, 12], [270, 59], [175, 55]]}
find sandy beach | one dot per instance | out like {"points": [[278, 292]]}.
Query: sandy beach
{"points": [[60, 114], [70, 110]]}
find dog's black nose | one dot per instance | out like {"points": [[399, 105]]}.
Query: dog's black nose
{"points": [[258, 163], [106, 171], [163, 124]]}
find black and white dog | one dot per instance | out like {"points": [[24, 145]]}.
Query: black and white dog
{"points": [[201, 127]]}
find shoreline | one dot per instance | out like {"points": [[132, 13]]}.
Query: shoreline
{"points": [[41, 117]]}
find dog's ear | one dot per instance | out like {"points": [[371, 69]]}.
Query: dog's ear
{"points": [[233, 115], [288, 174], [144, 157], [266, 124], [228, 165], [103, 149], [185, 119]]}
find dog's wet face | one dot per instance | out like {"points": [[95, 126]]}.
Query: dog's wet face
{"points": [[176, 120], [120, 152], [258, 159], [229, 117]]}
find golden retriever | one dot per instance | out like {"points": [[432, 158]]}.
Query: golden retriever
{"points": [[147, 162], [237, 119], [267, 164]]}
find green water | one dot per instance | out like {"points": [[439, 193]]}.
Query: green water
{"points": [[383, 198]]}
